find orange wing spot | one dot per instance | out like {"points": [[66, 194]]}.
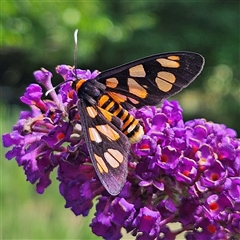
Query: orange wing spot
{"points": [[167, 76], [136, 88], [111, 82], [111, 160], [91, 112], [116, 154], [168, 63], [137, 71], [163, 85], [94, 135], [164, 81], [99, 168], [106, 114], [119, 98], [79, 84], [103, 99], [133, 100], [174, 58], [108, 132], [101, 164]]}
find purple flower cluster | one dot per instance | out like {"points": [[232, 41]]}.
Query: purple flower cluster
{"points": [[187, 173]]}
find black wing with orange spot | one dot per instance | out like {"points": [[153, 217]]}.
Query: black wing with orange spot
{"points": [[149, 80], [108, 146]]}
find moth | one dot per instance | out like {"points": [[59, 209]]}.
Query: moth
{"points": [[104, 103]]}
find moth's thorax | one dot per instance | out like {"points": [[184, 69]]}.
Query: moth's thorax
{"points": [[87, 88]]}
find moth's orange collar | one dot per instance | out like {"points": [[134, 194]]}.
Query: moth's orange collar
{"points": [[79, 84]]}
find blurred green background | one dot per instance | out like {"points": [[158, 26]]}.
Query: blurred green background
{"points": [[39, 34]]}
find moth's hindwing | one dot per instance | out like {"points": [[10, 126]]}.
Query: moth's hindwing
{"points": [[149, 80], [108, 147]]}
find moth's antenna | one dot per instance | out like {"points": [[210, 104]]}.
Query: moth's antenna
{"points": [[75, 64], [50, 90], [75, 50]]}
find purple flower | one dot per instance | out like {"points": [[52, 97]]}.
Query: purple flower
{"points": [[148, 223], [123, 212], [180, 172]]}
